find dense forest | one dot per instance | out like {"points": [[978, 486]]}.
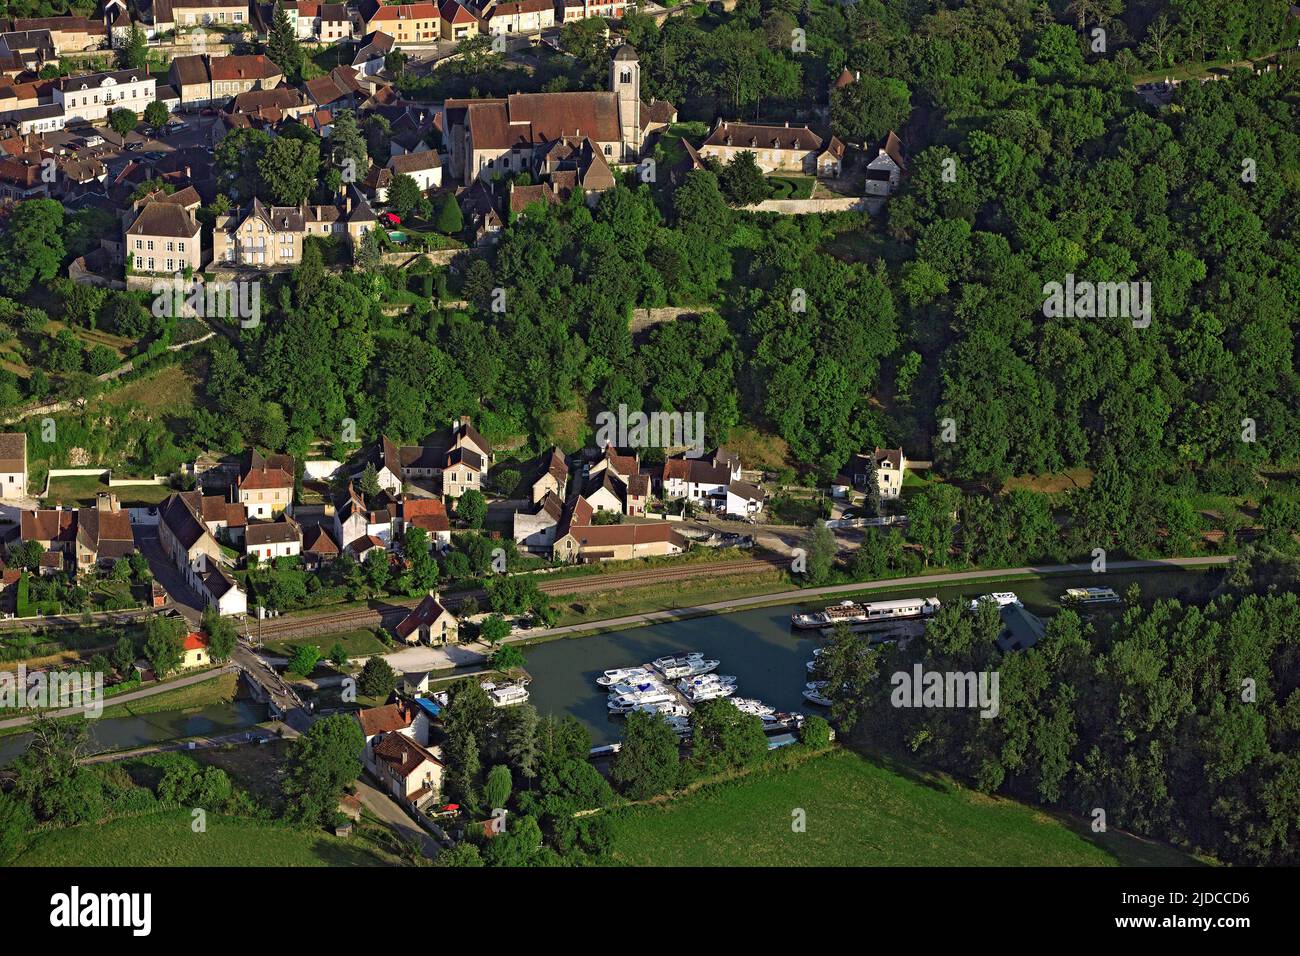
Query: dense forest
{"points": [[1175, 721]]}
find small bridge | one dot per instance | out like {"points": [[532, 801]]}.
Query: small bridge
{"points": [[268, 687]]}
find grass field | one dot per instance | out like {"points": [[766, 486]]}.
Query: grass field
{"points": [[860, 813], [171, 390], [361, 642], [620, 602], [75, 490], [165, 839]]}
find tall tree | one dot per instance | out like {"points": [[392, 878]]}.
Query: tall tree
{"points": [[282, 46]]}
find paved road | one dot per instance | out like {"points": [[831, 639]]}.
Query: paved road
{"points": [[384, 807], [183, 598], [286, 700], [268, 731], [127, 697]]}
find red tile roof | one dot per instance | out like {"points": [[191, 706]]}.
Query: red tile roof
{"points": [[390, 717]]}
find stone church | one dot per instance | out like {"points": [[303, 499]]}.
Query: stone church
{"points": [[490, 138]]}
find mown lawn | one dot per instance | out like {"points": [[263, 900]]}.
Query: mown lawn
{"points": [[361, 642], [860, 813], [623, 601], [166, 839], [73, 490]]}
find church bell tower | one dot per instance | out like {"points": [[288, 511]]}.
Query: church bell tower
{"points": [[625, 82]]}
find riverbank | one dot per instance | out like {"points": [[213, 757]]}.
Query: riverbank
{"points": [[835, 591], [451, 657]]}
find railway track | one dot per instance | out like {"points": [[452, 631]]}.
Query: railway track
{"points": [[273, 628]]}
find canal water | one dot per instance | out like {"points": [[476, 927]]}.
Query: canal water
{"points": [[757, 646], [125, 733], [761, 650]]}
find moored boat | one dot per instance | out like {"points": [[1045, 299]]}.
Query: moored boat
{"points": [[619, 675], [851, 613], [1000, 598], [1088, 596]]}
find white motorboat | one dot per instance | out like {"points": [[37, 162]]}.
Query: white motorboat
{"points": [[508, 696], [621, 675], [748, 705], [815, 685], [626, 703], [706, 680], [1000, 598], [702, 666], [668, 708], [816, 697], [1088, 596], [811, 665], [640, 687], [782, 720], [675, 667], [682, 725], [703, 688]]}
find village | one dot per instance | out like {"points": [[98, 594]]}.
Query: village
{"points": [[593, 506], [619, 432], [141, 143]]}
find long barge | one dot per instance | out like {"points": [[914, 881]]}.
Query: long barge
{"points": [[853, 613]]}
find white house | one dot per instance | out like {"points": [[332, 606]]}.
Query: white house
{"points": [[269, 540], [373, 48], [91, 97], [424, 167], [13, 465], [353, 521], [745, 500], [186, 540], [520, 17], [703, 480]]}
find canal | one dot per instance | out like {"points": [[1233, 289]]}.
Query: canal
{"points": [[126, 733], [765, 655], [757, 646]]}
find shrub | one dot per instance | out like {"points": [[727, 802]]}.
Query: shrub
{"points": [[815, 733]]}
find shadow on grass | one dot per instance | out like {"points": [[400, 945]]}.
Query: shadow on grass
{"points": [[1126, 849]]}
